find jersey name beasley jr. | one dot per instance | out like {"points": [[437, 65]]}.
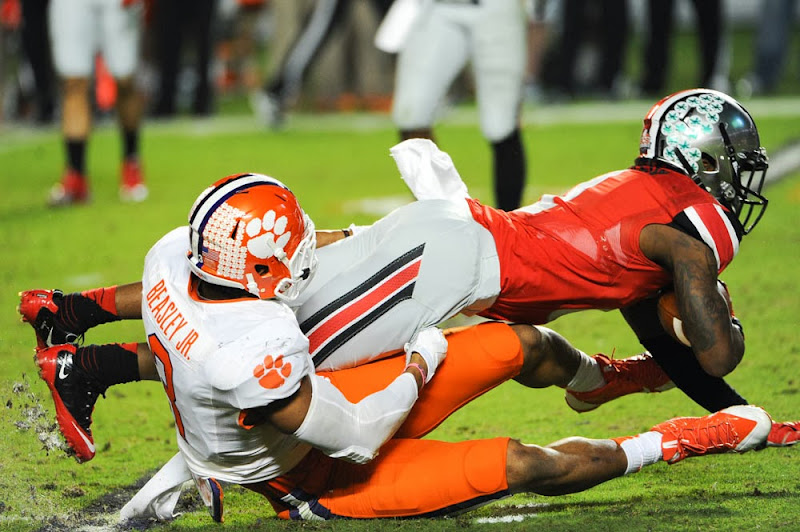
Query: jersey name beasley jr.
{"points": [[169, 319]]}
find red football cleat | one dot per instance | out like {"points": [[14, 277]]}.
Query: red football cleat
{"points": [[39, 308], [73, 189], [784, 434], [132, 187], [637, 374], [735, 429], [74, 394]]}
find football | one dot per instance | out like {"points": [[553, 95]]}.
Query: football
{"points": [[670, 318]]}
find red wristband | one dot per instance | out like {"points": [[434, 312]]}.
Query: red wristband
{"points": [[422, 372]]}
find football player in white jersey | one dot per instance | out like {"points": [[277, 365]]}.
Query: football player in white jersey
{"points": [[251, 410], [491, 35], [225, 341]]}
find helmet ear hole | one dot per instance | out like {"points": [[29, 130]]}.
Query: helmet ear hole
{"points": [[709, 163], [261, 269]]}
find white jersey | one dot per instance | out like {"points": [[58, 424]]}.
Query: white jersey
{"points": [[414, 268], [217, 359]]}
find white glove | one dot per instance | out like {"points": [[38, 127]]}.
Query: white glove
{"points": [[353, 228], [431, 344], [428, 171]]}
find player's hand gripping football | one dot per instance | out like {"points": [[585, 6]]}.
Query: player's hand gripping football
{"points": [[672, 322], [431, 344]]}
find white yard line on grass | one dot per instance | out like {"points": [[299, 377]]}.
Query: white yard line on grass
{"points": [[526, 511], [784, 162], [376, 206], [13, 136]]}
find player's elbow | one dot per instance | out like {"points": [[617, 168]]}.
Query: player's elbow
{"points": [[720, 362]]}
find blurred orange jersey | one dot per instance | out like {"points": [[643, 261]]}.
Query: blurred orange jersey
{"points": [[581, 250]]}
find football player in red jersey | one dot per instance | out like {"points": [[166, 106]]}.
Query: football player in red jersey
{"points": [[674, 219]]}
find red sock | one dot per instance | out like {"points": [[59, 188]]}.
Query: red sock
{"points": [[104, 297]]}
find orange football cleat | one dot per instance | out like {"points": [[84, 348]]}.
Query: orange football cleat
{"points": [[784, 434], [735, 429], [637, 374]]}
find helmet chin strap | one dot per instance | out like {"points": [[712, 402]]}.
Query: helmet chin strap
{"points": [[287, 282], [252, 286], [731, 152], [685, 163]]}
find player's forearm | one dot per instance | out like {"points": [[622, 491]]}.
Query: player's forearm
{"points": [[717, 343], [325, 238], [128, 299]]}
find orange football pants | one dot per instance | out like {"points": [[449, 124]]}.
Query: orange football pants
{"points": [[411, 477]]}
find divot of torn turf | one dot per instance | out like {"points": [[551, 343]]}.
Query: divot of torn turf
{"points": [[32, 415], [102, 514]]}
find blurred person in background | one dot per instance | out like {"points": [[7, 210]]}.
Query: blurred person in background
{"points": [[10, 16], [302, 29], [607, 24], [773, 35], [238, 45], [176, 21], [444, 36], [351, 73], [77, 27], [541, 15], [710, 23], [36, 46]]}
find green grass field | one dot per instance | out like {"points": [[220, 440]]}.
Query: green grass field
{"points": [[336, 166]]}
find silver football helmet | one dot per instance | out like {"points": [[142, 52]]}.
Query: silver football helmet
{"points": [[711, 137]]}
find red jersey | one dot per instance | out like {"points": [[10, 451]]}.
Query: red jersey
{"points": [[581, 250]]}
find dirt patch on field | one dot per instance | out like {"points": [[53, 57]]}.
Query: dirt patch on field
{"points": [[103, 513]]}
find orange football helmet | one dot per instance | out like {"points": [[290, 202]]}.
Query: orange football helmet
{"points": [[248, 231]]}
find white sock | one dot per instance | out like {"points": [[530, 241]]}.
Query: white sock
{"points": [[642, 450], [588, 377]]}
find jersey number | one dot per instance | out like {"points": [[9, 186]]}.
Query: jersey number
{"points": [[162, 357]]}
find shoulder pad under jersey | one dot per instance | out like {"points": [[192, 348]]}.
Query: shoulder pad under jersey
{"points": [[262, 368]]}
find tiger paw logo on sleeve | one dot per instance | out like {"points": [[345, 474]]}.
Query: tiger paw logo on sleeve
{"points": [[272, 372]]}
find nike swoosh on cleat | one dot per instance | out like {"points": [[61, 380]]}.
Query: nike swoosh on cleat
{"points": [[61, 374], [86, 440]]}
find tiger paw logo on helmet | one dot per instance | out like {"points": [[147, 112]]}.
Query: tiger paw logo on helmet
{"points": [[248, 231], [272, 372], [268, 235]]}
